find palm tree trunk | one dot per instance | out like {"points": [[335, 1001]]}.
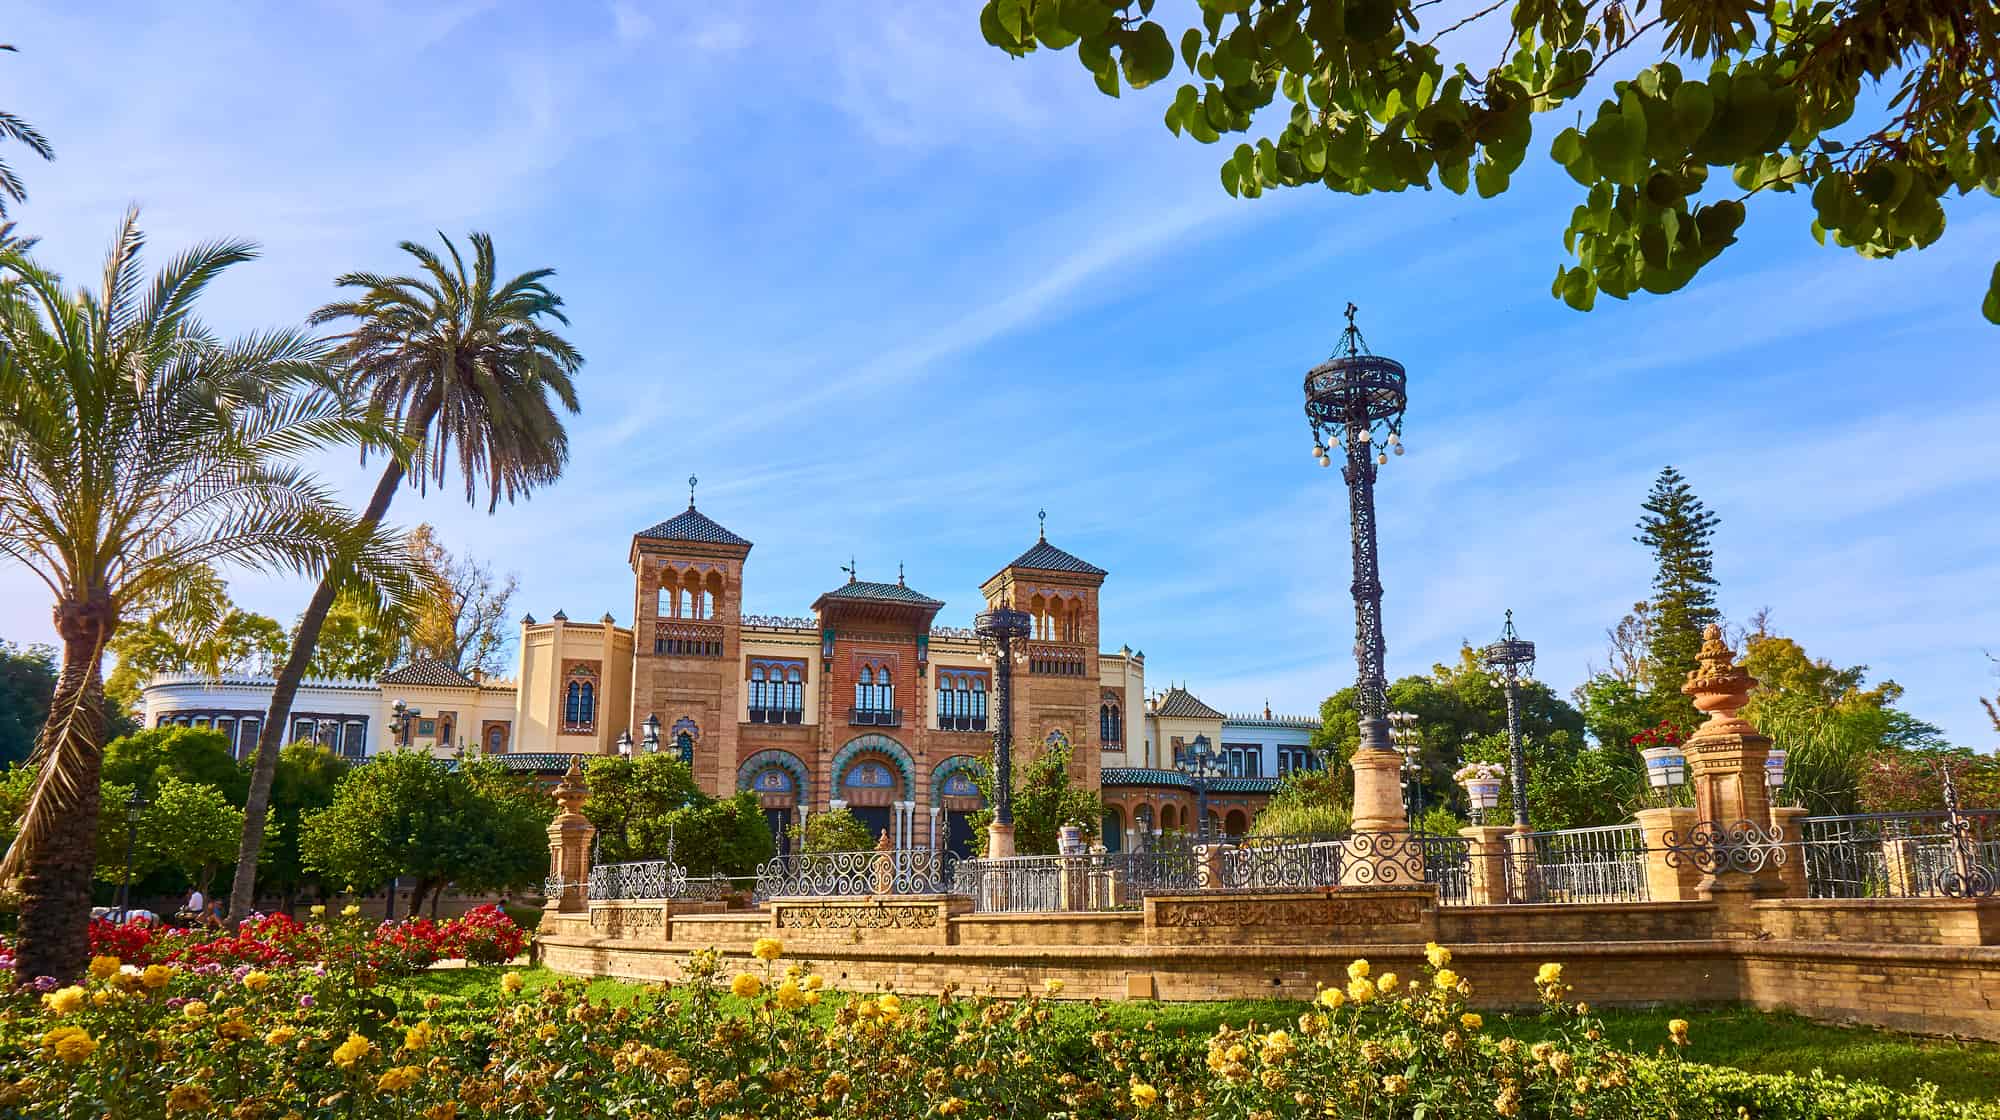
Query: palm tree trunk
{"points": [[55, 885], [271, 737]]}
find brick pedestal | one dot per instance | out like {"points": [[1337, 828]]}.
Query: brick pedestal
{"points": [[570, 834], [1660, 827]]}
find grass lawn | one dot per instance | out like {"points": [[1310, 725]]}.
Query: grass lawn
{"points": [[1724, 1036]]}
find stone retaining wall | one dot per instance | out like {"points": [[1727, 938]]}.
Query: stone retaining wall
{"points": [[1929, 966]]}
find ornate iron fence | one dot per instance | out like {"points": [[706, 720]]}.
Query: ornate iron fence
{"points": [[817, 874], [653, 878], [1900, 855], [1448, 867], [1278, 863], [1029, 884], [1604, 864]]}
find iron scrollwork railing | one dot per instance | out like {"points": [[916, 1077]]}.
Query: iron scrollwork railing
{"points": [[1448, 867], [1886, 855], [1713, 848], [1276, 863], [820, 874], [1601, 864], [646, 879]]}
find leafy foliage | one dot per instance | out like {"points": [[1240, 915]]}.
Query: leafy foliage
{"points": [[1830, 726], [834, 830], [1046, 797], [145, 759], [21, 132], [1680, 531], [462, 616], [406, 814], [197, 629], [188, 827], [1307, 803], [1773, 96], [27, 681], [307, 776], [359, 639], [1896, 781], [641, 804]]}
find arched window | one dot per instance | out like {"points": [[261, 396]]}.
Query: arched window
{"points": [[979, 701], [579, 705], [760, 696], [794, 691], [864, 689]]}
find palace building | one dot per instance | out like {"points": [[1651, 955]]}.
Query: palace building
{"points": [[866, 704]]}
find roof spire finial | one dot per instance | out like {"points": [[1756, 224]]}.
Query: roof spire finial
{"points": [[691, 481], [1043, 516], [899, 574], [851, 568]]}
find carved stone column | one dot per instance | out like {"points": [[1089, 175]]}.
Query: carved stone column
{"points": [[570, 834], [1725, 760]]}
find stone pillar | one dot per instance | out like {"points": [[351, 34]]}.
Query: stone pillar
{"points": [[1381, 853], [1787, 827], [570, 834], [1666, 882], [1725, 760], [999, 841], [1486, 866]]}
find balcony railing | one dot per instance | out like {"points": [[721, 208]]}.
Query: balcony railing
{"points": [[875, 717], [961, 723], [777, 715], [675, 638]]}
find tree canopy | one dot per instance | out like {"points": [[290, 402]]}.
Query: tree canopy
{"points": [[27, 681], [1046, 797], [642, 804], [145, 759], [1782, 97]]}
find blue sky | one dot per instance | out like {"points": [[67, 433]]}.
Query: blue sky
{"points": [[888, 292]]}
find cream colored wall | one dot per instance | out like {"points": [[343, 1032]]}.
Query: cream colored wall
{"points": [[1167, 727], [1126, 673], [537, 713], [470, 708], [797, 645]]}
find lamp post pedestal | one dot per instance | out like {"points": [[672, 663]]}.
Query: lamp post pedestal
{"points": [[1378, 791], [999, 841]]}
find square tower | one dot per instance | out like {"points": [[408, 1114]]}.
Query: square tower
{"points": [[686, 640], [1056, 679]]}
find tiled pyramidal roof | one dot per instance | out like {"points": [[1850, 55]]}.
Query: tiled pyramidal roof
{"points": [[692, 525], [864, 591], [429, 671], [1182, 703], [1050, 558]]}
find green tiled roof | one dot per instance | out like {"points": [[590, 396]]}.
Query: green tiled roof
{"points": [[864, 591], [528, 762], [1140, 776]]}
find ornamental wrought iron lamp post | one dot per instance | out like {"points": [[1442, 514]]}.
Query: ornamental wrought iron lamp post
{"points": [[135, 807], [400, 715], [1512, 660], [651, 740], [998, 629], [1355, 401], [1202, 763], [1403, 730]]}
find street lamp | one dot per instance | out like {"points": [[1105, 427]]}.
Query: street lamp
{"points": [[625, 743], [998, 629], [1355, 400], [400, 715], [1202, 763], [651, 740], [135, 806], [1512, 660], [1403, 730]]}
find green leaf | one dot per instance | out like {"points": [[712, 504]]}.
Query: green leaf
{"points": [[1579, 289], [1491, 178], [1454, 176], [1148, 55], [1050, 28], [1191, 46], [1107, 80], [1991, 308], [1568, 147]]}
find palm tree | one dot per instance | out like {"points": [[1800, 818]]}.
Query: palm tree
{"points": [[463, 366], [14, 128], [136, 449]]}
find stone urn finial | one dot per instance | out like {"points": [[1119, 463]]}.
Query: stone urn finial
{"points": [[1719, 686], [883, 843], [571, 793]]}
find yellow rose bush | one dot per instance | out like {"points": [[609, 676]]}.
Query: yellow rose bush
{"points": [[749, 1036]]}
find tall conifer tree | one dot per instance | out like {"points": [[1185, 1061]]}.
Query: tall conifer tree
{"points": [[1679, 529]]}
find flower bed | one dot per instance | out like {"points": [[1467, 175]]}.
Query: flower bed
{"points": [[484, 935], [325, 1042]]}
